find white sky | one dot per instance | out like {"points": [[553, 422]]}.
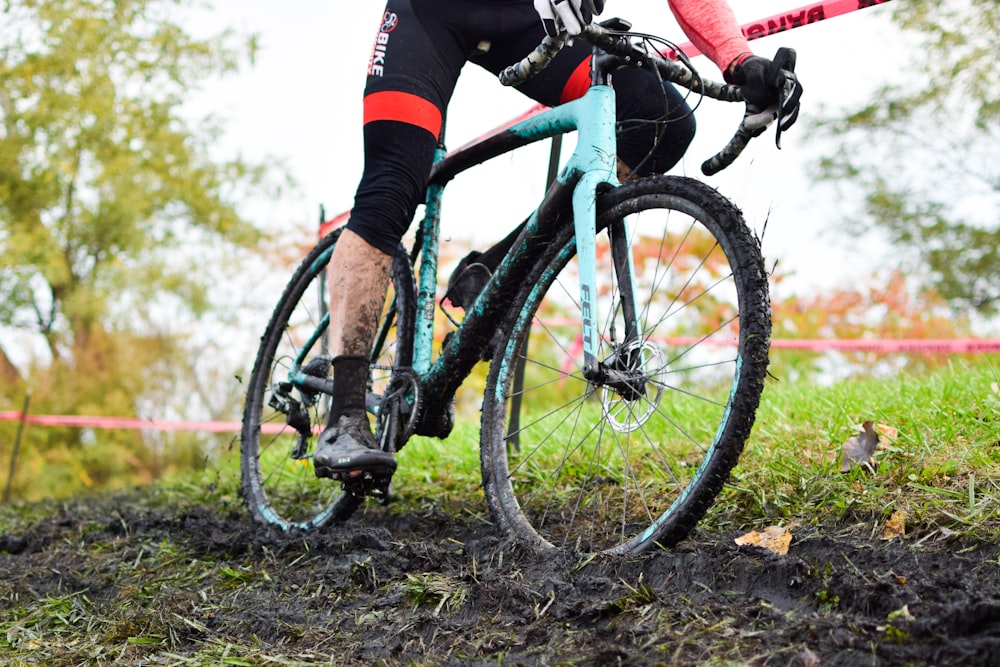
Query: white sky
{"points": [[302, 103]]}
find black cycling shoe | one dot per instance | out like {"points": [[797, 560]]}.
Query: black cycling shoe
{"points": [[347, 451]]}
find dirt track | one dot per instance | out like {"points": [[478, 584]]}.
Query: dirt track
{"points": [[422, 588]]}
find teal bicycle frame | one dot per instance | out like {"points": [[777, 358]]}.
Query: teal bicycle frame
{"points": [[592, 165], [589, 452]]}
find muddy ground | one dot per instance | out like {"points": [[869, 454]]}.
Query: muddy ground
{"points": [[158, 583]]}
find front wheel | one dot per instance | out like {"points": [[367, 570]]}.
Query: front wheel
{"points": [[285, 412], [619, 464]]}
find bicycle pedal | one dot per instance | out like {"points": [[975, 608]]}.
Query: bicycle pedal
{"points": [[363, 484]]}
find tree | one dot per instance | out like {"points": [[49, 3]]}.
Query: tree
{"points": [[113, 215], [923, 154]]}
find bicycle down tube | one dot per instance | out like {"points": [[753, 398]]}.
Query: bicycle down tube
{"points": [[590, 166]]}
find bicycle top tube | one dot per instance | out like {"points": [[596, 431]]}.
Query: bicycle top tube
{"points": [[589, 115], [616, 43]]}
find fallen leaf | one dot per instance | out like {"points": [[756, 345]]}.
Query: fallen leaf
{"points": [[809, 658], [859, 449], [895, 526], [890, 432], [775, 539]]}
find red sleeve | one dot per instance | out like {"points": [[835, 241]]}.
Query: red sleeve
{"points": [[712, 27]]}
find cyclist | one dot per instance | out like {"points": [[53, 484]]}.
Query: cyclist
{"points": [[419, 50]]}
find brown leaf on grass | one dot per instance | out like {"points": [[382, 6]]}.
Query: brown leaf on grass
{"points": [[890, 432], [773, 538], [895, 526], [859, 449]]}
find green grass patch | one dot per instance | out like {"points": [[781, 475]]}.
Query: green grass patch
{"points": [[941, 465], [938, 457]]}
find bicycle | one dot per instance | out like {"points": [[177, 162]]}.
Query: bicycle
{"points": [[606, 436]]}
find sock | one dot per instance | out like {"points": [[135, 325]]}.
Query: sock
{"points": [[350, 383]]}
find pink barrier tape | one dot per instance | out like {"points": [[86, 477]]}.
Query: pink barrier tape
{"points": [[132, 423], [915, 346], [918, 346], [905, 346]]}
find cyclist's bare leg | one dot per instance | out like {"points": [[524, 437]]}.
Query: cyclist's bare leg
{"points": [[358, 281]]}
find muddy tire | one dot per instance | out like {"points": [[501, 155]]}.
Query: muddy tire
{"points": [[600, 469]]}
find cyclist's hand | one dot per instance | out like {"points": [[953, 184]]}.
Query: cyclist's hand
{"points": [[771, 90], [571, 16]]}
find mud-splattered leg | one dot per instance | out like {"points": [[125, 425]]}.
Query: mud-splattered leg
{"points": [[358, 282]]}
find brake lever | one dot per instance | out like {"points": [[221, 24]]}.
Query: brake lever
{"points": [[782, 65]]}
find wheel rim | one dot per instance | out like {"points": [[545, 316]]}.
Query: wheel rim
{"points": [[285, 488]]}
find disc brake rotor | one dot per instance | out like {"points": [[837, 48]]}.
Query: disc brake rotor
{"points": [[627, 414]]}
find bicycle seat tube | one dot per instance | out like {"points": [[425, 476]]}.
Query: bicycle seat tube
{"points": [[429, 238]]}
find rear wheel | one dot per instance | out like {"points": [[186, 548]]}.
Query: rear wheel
{"points": [[283, 415], [617, 466]]}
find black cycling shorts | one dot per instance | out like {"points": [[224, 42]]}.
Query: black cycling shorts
{"points": [[420, 49]]}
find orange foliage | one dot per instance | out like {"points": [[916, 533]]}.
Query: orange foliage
{"points": [[892, 310]]}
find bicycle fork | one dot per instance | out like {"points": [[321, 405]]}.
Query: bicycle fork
{"points": [[596, 169]]}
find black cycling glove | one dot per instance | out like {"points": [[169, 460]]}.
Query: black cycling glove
{"points": [[770, 88]]}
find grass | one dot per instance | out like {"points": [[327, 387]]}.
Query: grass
{"points": [[938, 457], [940, 460], [941, 465]]}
